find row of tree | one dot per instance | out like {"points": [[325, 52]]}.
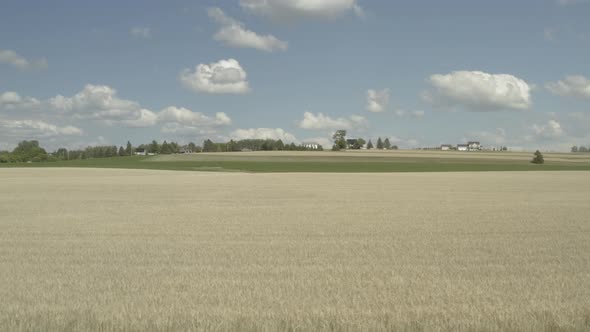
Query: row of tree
{"points": [[255, 145], [575, 148], [30, 151], [27, 151], [341, 143]]}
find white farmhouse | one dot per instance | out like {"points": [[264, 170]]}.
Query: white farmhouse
{"points": [[473, 146], [462, 147], [446, 147]]}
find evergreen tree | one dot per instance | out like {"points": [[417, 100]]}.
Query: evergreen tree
{"points": [[129, 149], [387, 144], [370, 145], [154, 147], [122, 152], [380, 144]]}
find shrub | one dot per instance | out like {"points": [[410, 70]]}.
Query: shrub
{"points": [[538, 159]]}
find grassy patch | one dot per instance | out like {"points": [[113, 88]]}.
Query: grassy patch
{"points": [[337, 163]]}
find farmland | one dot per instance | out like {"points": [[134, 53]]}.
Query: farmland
{"points": [[116, 249], [328, 161]]}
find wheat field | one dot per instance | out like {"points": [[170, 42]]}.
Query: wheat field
{"points": [[135, 250]]}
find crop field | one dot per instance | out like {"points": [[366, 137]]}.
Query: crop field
{"points": [[134, 250], [365, 161]]}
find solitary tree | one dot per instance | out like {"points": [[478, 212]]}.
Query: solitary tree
{"points": [[387, 144], [538, 159], [574, 148], [370, 145], [339, 138]]}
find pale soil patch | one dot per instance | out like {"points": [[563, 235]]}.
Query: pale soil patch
{"points": [[136, 249]]}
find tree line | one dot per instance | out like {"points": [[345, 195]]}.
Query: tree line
{"points": [[580, 148], [31, 151], [255, 145]]}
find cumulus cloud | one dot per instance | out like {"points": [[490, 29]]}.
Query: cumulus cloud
{"points": [[235, 34], [141, 32], [320, 121], [290, 10], [102, 103], [224, 76], [377, 100], [551, 129], [263, 133], [11, 100], [576, 86], [10, 57], [478, 91], [188, 117], [35, 129]]}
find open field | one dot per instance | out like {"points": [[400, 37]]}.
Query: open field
{"points": [[111, 249], [328, 161]]}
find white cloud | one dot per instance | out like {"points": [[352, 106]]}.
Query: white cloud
{"points": [[188, 117], [141, 32], [180, 129], [224, 76], [95, 98], [478, 91], [571, 86], [35, 129], [377, 100], [263, 133], [234, 33], [101, 102], [496, 137], [12, 58], [551, 129], [11, 101], [141, 118], [320, 121], [414, 114], [293, 9]]}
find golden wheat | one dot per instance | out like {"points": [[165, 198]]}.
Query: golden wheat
{"points": [[114, 250]]}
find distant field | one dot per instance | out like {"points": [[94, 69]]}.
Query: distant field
{"points": [[349, 161], [135, 250]]}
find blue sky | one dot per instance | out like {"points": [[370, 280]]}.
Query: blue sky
{"points": [[513, 73]]}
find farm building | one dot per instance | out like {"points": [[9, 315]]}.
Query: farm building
{"points": [[446, 147], [462, 147], [140, 152], [473, 146], [311, 146]]}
